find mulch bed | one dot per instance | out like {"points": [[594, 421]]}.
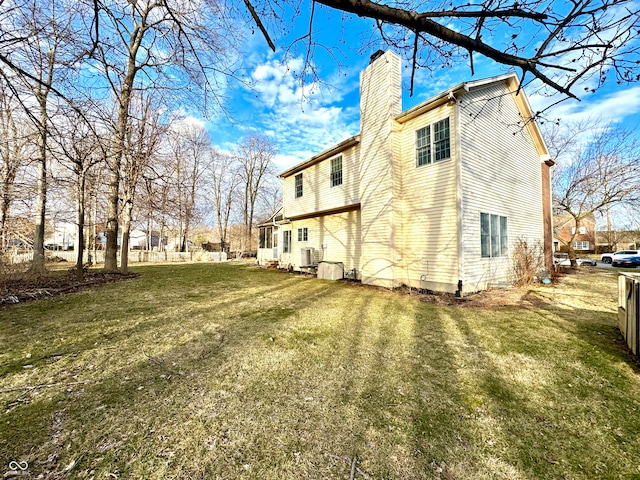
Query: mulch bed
{"points": [[23, 288]]}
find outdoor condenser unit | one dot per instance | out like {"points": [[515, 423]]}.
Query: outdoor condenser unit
{"points": [[307, 257]]}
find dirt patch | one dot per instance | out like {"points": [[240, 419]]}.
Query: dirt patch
{"points": [[493, 298], [23, 288]]}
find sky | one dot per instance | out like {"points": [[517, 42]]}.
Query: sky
{"points": [[303, 120]]}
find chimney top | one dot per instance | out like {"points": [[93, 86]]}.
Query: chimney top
{"points": [[375, 56]]}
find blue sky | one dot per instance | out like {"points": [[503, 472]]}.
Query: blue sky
{"points": [[302, 120]]}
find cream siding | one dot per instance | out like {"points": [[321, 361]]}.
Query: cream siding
{"points": [[318, 194], [501, 175], [397, 223], [380, 102], [427, 200], [334, 238]]}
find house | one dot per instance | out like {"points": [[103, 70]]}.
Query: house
{"points": [[143, 239], [434, 197], [63, 237], [564, 227], [614, 240]]}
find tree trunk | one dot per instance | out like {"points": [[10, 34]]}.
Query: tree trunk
{"points": [[126, 230], [4, 215], [80, 207], [37, 265], [110, 256]]}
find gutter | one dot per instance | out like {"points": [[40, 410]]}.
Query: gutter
{"points": [[330, 152]]}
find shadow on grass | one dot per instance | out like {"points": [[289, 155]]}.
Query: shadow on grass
{"points": [[264, 375], [37, 422]]}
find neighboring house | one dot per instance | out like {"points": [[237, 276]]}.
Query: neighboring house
{"points": [[63, 238], [434, 197], [564, 226], [139, 239], [617, 240]]}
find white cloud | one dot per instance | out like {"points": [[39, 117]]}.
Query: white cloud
{"points": [[301, 118], [613, 106]]}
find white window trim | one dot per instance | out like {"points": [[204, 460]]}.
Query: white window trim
{"points": [[431, 147], [295, 185], [331, 172]]}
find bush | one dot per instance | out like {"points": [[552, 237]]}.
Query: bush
{"points": [[527, 261]]}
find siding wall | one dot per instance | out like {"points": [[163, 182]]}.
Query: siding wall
{"points": [[427, 202], [500, 174], [318, 194], [380, 102], [335, 238]]}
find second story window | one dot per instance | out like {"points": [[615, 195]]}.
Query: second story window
{"points": [[298, 185], [433, 147], [441, 140], [336, 171], [423, 146]]}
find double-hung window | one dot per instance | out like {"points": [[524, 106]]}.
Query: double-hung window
{"points": [[423, 146], [441, 140], [286, 240], [433, 143], [494, 240], [336, 171], [303, 234], [581, 245], [298, 181]]}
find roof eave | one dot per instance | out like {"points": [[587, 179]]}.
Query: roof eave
{"points": [[330, 152]]}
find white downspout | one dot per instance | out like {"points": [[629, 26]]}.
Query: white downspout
{"points": [[459, 199]]}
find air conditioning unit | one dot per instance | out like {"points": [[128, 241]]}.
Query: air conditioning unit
{"points": [[307, 257]]}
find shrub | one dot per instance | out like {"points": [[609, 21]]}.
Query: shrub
{"points": [[527, 261]]}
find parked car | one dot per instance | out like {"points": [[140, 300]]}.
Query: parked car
{"points": [[587, 261], [627, 262], [562, 259], [610, 257]]}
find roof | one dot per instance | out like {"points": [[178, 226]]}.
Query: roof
{"points": [[329, 152], [273, 219], [513, 83], [562, 219]]}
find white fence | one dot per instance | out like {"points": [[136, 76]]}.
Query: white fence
{"points": [[135, 256], [629, 309]]}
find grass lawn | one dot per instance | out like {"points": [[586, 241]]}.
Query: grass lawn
{"points": [[224, 371]]}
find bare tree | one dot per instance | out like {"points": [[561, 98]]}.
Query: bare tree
{"points": [[32, 63], [190, 146], [176, 45], [225, 180], [14, 142], [142, 142], [255, 154], [80, 150], [598, 168], [558, 43]]}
